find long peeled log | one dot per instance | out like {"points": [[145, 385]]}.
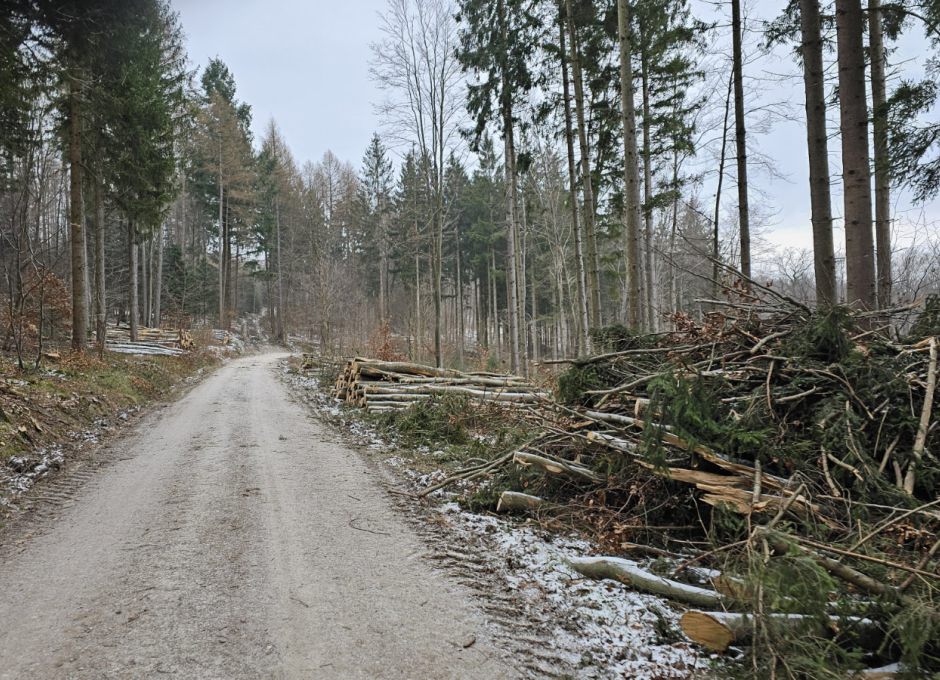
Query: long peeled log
{"points": [[555, 466], [514, 501], [630, 574]]}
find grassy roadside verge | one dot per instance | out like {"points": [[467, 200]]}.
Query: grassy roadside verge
{"points": [[48, 414]]}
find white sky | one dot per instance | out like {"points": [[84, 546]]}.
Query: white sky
{"points": [[305, 63]]}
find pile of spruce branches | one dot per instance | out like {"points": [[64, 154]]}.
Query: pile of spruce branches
{"points": [[791, 452]]}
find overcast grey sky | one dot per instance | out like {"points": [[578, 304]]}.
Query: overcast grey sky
{"points": [[305, 63]]}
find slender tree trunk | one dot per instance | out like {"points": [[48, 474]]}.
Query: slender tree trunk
{"points": [[77, 218], [235, 279], [586, 177], [673, 307], [436, 275], [882, 158], [145, 282], [521, 269], [856, 171], [458, 299], [419, 331], [494, 306], [631, 175], [280, 332], [534, 323], [824, 258], [158, 280], [227, 265], [132, 292], [510, 170], [222, 239], [716, 235], [740, 137], [383, 268], [582, 316], [649, 311], [101, 309]]}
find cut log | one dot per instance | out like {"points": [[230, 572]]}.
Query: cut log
{"points": [[719, 630], [556, 467], [631, 574], [513, 501]]}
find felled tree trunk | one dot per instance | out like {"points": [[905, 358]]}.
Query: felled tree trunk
{"points": [[513, 501], [555, 467], [631, 575], [719, 630]]}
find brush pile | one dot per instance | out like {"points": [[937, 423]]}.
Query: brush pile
{"points": [[381, 386], [794, 453]]}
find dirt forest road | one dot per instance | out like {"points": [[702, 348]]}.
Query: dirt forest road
{"points": [[232, 539]]}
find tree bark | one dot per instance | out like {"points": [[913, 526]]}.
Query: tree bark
{"points": [[222, 238], [133, 310], [582, 285], [856, 172], [824, 258], [740, 138], [458, 294], [882, 158], [716, 240], [145, 283], [587, 186], [510, 169], [280, 333], [158, 280], [648, 316], [77, 219], [631, 175], [101, 308]]}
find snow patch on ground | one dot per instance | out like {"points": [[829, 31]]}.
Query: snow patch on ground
{"points": [[20, 473], [602, 628]]}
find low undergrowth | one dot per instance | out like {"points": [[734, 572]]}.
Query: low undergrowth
{"points": [[69, 400], [446, 433]]}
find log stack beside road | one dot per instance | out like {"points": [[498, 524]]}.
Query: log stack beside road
{"points": [[380, 386]]}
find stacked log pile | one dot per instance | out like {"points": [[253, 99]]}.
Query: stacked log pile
{"points": [[380, 386], [150, 341]]}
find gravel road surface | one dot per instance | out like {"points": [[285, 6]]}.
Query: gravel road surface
{"points": [[232, 537]]}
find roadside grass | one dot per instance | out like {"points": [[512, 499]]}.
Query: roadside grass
{"points": [[45, 407]]}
